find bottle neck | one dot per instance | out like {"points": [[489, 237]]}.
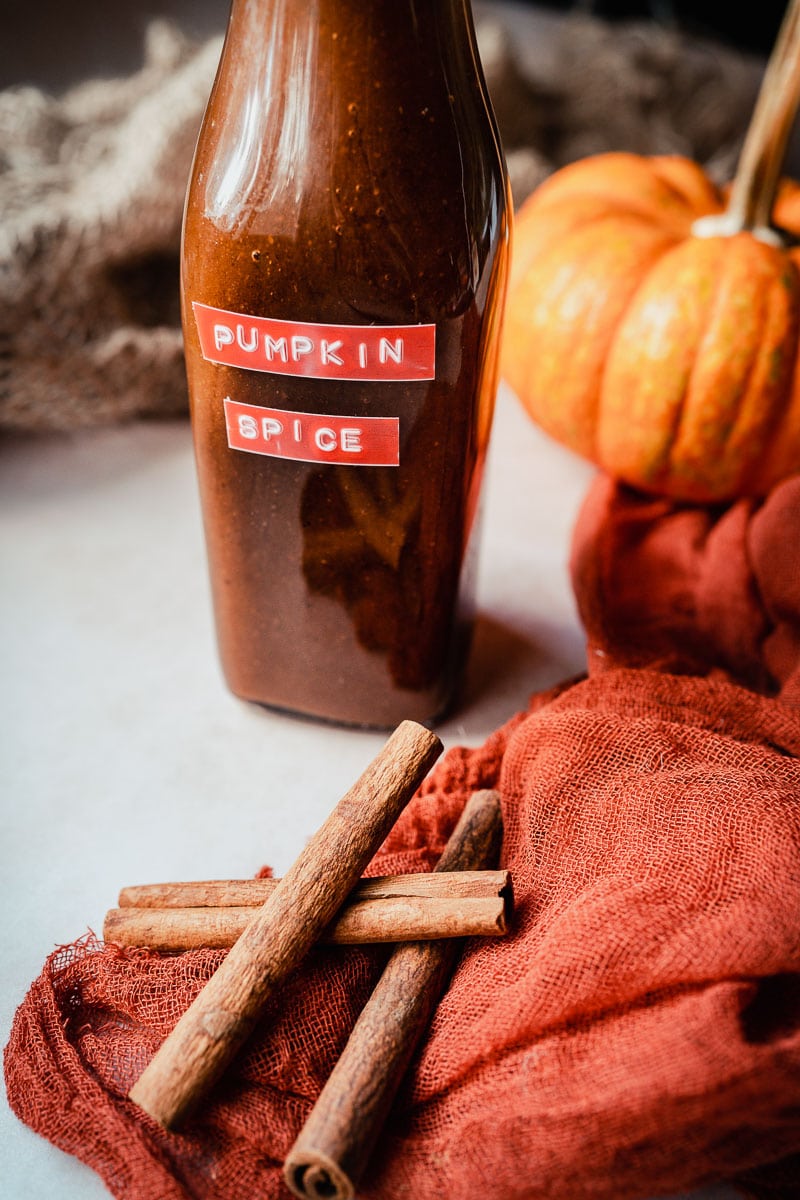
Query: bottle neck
{"points": [[351, 34], [280, 39], [311, 89], [345, 17]]}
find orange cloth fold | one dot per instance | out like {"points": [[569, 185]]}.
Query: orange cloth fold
{"points": [[696, 589]]}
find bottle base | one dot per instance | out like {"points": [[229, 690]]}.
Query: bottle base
{"points": [[380, 717]]}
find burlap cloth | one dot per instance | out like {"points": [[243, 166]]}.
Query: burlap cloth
{"points": [[92, 186]]}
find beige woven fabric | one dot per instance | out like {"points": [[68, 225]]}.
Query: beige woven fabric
{"points": [[92, 192], [92, 186]]}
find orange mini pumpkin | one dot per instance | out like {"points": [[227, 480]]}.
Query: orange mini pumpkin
{"points": [[655, 331]]}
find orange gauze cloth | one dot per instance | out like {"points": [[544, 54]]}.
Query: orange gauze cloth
{"points": [[705, 590], [637, 1034]]}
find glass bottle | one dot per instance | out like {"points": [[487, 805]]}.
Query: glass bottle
{"points": [[344, 262]]}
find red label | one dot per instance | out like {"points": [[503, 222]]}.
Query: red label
{"points": [[368, 352], [309, 437]]}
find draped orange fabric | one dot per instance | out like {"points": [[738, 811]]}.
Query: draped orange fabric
{"points": [[638, 1033]]}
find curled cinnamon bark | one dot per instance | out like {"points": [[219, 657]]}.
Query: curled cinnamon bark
{"points": [[331, 1152], [410, 909]]}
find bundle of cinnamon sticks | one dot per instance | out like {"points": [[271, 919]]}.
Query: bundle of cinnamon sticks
{"points": [[271, 924], [390, 908]]}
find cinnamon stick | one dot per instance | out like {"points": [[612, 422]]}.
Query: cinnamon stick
{"points": [[224, 1013], [244, 893], [389, 919], [329, 1156]]}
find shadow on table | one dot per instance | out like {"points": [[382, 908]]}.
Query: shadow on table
{"points": [[506, 666]]}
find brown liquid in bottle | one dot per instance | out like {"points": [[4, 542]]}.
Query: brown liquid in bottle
{"points": [[347, 176]]}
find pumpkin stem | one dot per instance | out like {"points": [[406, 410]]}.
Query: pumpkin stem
{"points": [[757, 177]]}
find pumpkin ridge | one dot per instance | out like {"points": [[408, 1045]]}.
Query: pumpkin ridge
{"points": [[676, 224], [598, 452], [570, 218], [637, 446], [782, 456], [623, 180], [665, 166], [682, 435], [731, 410], [563, 351], [780, 410]]}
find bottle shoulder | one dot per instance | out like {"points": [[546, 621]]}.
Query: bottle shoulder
{"points": [[379, 162], [361, 267]]}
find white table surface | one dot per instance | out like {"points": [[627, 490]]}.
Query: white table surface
{"points": [[125, 760]]}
